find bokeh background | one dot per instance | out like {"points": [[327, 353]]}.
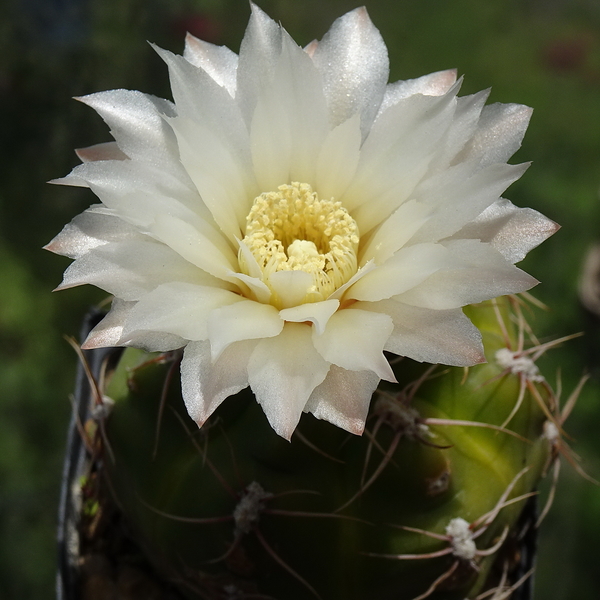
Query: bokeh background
{"points": [[543, 53]]}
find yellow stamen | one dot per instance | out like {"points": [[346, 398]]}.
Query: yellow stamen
{"points": [[291, 229]]}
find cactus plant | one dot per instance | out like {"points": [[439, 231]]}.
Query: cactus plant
{"points": [[287, 235], [428, 503]]}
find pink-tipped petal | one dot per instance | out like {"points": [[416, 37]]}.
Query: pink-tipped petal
{"points": [[206, 384], [353, 60], [283, 371], [344, 398]]}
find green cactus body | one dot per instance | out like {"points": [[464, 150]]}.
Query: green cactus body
{"points": [[323, 516]]}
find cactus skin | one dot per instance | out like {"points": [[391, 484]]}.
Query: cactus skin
{"points": [[298, 546]]}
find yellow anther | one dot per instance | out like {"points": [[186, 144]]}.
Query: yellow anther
{"points": [[291, 229]]}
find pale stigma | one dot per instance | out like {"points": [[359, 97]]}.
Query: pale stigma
{"points": [[291, 229]]}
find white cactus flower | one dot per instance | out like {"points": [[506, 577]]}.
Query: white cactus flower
{"points": [[291, 216]]}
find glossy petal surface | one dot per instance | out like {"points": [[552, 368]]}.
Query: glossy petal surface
{"points": [[292, 215]]}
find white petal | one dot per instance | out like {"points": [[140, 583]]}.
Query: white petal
{"points": [[251, 284], [338, 159], [137, 191], [109, 332], [251, 287], [198, 97], [259, 51], [353, 60], [407, 268], [510, 230], [499, 133], [179, 308], [205, 248], [219, 128], [434, 84], [283, 371], [343, 398], [72, 179], [396, 156], [311, 47], [317, 313], [412, 126], [218, 61], [457, 199], [434, 336], [221, 178], [103, 151], [354, 340], [137, 124], [300, 88], [478, 273], [251, 265], [245, 320], [271, 143], [131, 268], [92, 228], [464, 124], [290, 120], [395, 232], [290, 287], [362, 271], [206, 384], [154, 341]]}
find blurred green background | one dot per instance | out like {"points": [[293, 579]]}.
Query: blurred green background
{"points": [[543, 53]]}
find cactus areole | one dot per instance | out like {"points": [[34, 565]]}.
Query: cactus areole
{"points": [[297, 233]]}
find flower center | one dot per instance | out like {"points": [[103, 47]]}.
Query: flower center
{"points": [[291, 229]]}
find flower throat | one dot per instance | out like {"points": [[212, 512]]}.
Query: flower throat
{"points": [[291, 229]]}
